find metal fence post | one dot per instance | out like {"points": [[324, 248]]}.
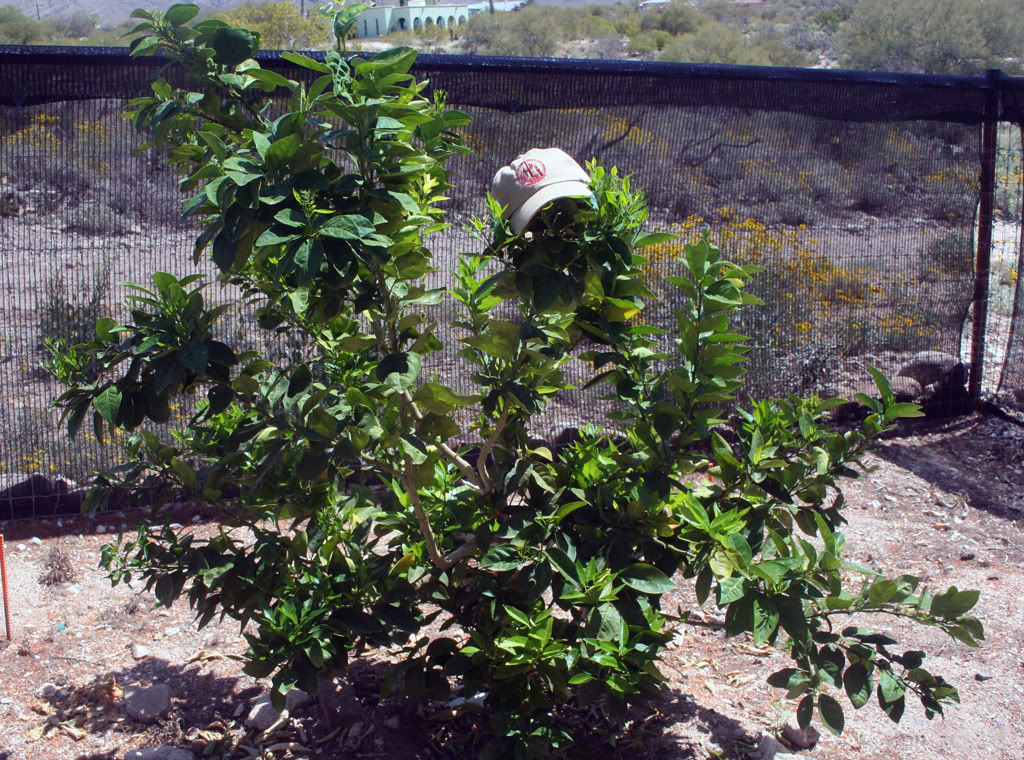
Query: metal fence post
{"points": [[3, 577], [983, 264]]}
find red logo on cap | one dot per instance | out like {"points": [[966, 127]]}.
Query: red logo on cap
{"points": [[530, 172]]}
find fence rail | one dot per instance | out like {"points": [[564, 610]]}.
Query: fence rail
{"points": [[886, 208]]}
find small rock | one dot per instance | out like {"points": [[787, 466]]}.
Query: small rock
{"points": [[929, 367], [197, 518], [801, 738], [101, 528], [965, 556], [172, 631], [146, 704], [263, 714], [876, 503], [139, 651], [175, 526], [36, 540], [983, 676], [5, 700], [770, 748], [47, 690], [22, 548], [160, 753]]}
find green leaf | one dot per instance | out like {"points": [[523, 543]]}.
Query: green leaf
{"points": [[395, 61], [884, 389], [195, 356], [897, 411], [108, 403], [181, 13], [232, 45], [740, 545], [652, 238], [831, 713], [306, 62], [440, 399], [500, 558], [805, 711], [105, 329], [347, 227], [890, 688], [564, 565], [399, 370], [518, 615], [646, 578], [183, 471], [858, 684], [953, 603], [893, 708], [766, 619]]}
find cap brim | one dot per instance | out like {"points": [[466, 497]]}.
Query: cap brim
{"points": [[568, 189]]}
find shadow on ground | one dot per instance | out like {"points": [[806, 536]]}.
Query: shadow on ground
{"points": [[978, 457]]}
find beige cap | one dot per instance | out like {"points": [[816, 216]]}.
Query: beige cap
{"points": [[533, 180]]}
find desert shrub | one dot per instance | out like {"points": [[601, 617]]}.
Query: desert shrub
{"points": [[70, 313], [360, 518], [60, 567], [952, 253]]}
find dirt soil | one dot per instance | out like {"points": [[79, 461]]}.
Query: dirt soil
{"points": [[945, 503]]}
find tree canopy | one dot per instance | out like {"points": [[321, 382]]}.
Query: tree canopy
{"points": [[934, 36]]}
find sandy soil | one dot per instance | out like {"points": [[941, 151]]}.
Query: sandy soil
{"points": [[945, 504]]}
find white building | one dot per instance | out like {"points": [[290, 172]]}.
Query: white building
{"points": [[396, 15]]}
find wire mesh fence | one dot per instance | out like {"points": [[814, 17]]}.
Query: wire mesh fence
{"points": [[858, 193]]}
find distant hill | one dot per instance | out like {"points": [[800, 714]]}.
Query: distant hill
{"points": [[109, 12]]}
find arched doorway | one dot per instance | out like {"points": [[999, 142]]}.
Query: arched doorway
{"points": [[416, 24], [401, 23]]}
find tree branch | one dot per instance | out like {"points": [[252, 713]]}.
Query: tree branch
{"points": [[453, 557], [464, 467], [481, 466]]}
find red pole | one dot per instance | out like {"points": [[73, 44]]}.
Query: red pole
{"points": [[3, 579]]}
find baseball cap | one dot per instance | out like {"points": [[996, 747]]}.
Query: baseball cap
{"points": [[533, 180]]}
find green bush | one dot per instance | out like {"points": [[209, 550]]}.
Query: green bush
{"points": [[358, 511]]}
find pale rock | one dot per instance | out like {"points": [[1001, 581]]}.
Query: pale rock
{"points": [[263, 714], [160, 753], [905, 388], [801, 738], [101, 528], [139, 651], [36, 540], [22, 548], [770, 748], [172, 631], [146, 704], [929, 367], [50, 691]]}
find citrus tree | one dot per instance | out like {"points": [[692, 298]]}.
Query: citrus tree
{"points": [[370, 499]]}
